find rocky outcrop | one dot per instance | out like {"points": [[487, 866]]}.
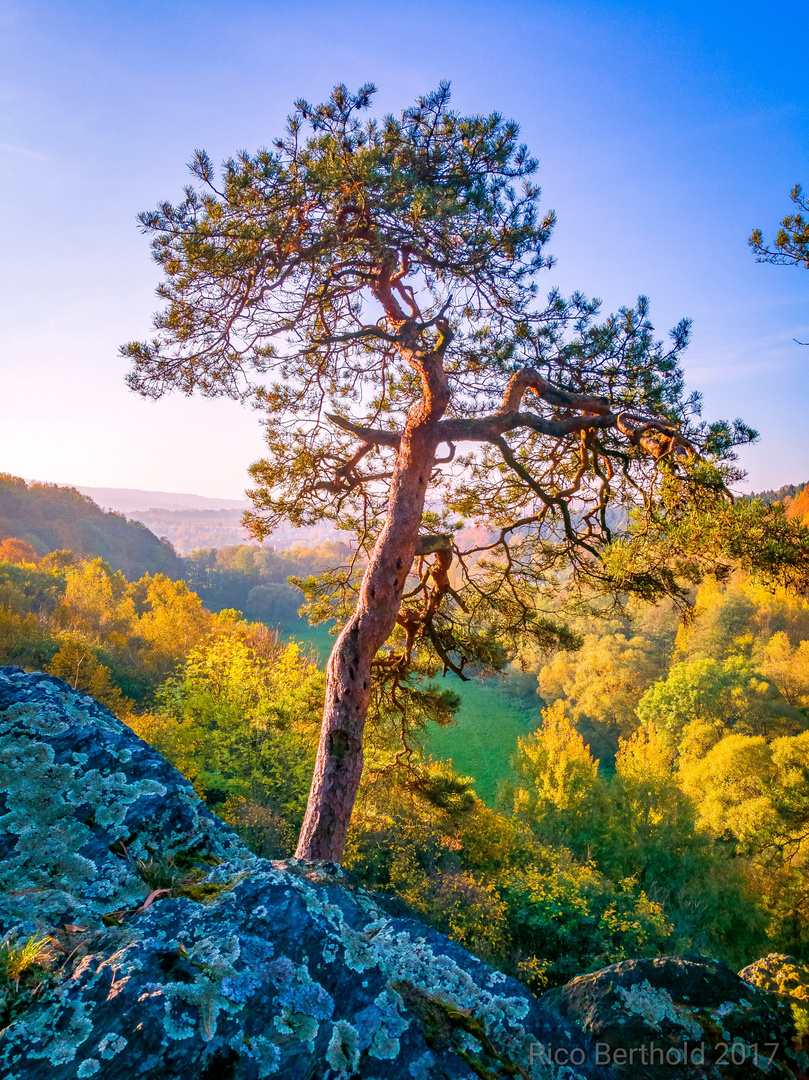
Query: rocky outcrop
{"points": [[788, 978], [681, 1016], [142, 940], [164, 965], [85, 804]]}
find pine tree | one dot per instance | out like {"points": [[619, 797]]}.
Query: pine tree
{"points": [[374, 284]]}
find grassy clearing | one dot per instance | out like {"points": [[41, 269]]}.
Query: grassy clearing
{"points": [[494, 712]]}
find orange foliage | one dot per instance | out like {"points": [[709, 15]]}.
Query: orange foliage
{"points": [[13, 550], [799, 506]]}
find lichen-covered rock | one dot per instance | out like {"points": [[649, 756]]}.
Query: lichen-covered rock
{"points": [[787, 977], [681, 1018], [257, 969], [82, 800], [779, 974]]}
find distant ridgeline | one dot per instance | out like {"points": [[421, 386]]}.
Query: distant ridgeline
{"points": [[50, 518], [224, 570], [248, 577], [190, 530], [794, 496]]}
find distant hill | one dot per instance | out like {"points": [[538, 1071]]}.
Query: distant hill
{"points": [[190, 530], [188, 522], [129, 500], [191, 522], [49, 517]]}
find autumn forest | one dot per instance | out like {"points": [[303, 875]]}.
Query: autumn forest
{"points": [[658, 806]]}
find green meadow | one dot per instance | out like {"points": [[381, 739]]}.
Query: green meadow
{"points": [[494, 713]]}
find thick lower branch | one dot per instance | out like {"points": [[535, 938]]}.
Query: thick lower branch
{"points": [[529, 378]]}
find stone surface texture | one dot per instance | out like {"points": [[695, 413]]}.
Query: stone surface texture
{"points": [[685, 1017], [240, 968], [262, 970], [783, 975]]}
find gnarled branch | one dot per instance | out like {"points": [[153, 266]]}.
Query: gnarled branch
{"points": [[372, 436]]}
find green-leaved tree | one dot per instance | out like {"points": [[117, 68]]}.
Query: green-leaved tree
{"points": [[791, 247]]}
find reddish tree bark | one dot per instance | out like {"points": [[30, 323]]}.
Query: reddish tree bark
{"points": [[338, 767]]}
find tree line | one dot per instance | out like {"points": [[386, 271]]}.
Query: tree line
{"points": [[49, 517]]}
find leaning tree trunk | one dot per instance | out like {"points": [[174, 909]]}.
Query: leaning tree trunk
{"points": [[338, 766]]}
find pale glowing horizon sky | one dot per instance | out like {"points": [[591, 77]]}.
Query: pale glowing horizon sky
{"points": [[665, 133]]}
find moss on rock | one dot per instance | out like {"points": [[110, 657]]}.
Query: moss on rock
{"points": [[252, 969], [702, 1020], [789, 979]]}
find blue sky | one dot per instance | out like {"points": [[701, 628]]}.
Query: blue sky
{"points": [[665, 132]]}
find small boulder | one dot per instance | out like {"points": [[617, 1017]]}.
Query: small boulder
{"points": [[788, 978], [680, 1018]]}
